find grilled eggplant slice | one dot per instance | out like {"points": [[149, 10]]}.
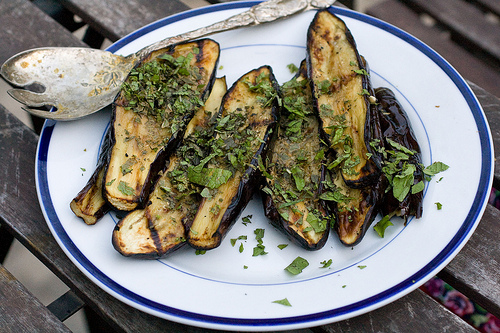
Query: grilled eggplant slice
{"points": [[355, 209], [160, 228], [341, 88], [230, 175], [150, 113], [295, 169], [89, 203], [402, 158]]}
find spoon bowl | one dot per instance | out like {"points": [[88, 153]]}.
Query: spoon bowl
{"points": [[80, 81]]}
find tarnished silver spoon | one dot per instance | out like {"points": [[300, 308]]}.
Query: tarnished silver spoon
{"points": [[81, 81]]}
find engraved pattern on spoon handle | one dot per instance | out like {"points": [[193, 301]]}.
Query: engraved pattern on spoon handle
{"points": [[267, 11]]}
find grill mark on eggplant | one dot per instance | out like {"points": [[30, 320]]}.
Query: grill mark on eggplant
{"points": [[332, 59], [170, 210], [291, 215], [217, 214], [89, 204], [154, 143]]}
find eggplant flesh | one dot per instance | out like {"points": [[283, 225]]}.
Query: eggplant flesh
{"points": [[355, 209], [231, 175], [160, 228], [149, 116], [89, 204], [397, 132], [295, 169], [341, 88]]}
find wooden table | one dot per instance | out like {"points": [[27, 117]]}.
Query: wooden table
{"points": [[474, 271]]}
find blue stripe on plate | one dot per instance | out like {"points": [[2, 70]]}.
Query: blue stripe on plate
{"points": [[399, 289]]}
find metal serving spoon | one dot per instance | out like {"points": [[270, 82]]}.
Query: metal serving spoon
{"points": [[81, 81]]}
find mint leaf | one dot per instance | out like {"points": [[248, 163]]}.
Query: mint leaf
{"points": [[382, 225], [297, 266], [435, 168], [283, 301], [326, 263], [125, 189]]}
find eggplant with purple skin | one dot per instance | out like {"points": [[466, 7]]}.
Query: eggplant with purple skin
{"points": [[341, 89], [402, 158], [230, 175], [160, 228], [295, 170], [89, 204], [354, 209], [150, 114]]}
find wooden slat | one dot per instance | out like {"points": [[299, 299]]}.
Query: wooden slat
{"points": [[464, 19], [464, 62], [415, 313], [490, 5], [24, 26], [20, 311], [24, 219], [491, 107], [475, 271], [114, 20], [479, 278]]}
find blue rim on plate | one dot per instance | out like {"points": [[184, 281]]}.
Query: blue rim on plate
{"points": [[392, 293]]}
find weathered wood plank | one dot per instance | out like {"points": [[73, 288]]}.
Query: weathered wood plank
{"points": [[414, 313], [490, 5], [491, 107], [465, 20], [465, 63], [20, 311], [24, 26], [114, 20], [475, 270]]}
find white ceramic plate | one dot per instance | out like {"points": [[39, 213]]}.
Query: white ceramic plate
{"points": [[215, 290]]}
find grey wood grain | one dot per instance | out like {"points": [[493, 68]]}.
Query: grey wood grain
{"points": [[465, 20], [475, 270], [114, 19], [23, 26], [467, 64], [20, 311]]}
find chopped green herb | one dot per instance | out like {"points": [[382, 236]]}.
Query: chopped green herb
{"points": [[110, 182], [435, 168], [326, 263], [382, 225], [233, 240], [283, 301], [361, 266], [297, 266], [200, 252], [259, 250], [292, 68], [125, 188], [282, 246], [439, 205], [246, 219]]}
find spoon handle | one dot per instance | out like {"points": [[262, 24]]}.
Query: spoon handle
{"points": [[263, 12]]}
